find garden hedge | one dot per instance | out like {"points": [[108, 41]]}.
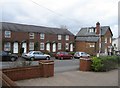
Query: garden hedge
{"points": [[105, 63]]}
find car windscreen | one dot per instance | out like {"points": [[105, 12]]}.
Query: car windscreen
{"points": [[65, 53], [3, 53], [30, 52]]}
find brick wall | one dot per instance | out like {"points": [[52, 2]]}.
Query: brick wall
{"points": [[85, 47], [24, 36]]}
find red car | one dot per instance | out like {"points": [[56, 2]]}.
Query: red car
{"points": [[63, 55]]}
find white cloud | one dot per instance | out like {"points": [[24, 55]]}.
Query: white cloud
{"points": [[72, 13]]}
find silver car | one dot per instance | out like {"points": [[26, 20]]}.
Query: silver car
{"points": [[38, 55], [81, 54]]}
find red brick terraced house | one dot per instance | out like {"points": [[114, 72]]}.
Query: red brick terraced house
{"points": [[94, 40], [16, 36]]}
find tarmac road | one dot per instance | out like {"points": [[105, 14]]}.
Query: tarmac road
{"points": [[59, 65]]}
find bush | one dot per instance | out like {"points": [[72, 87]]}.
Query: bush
{"points": [[72, 53], [49, 53], [110, 62], [105, 63], [96, 64]]}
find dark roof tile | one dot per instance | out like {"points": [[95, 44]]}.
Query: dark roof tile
{"points": [[85, 31], [32, 28], [90, 39]]}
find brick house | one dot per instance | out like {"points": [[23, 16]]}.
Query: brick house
{"points": [[94, 40], [16, 36]]}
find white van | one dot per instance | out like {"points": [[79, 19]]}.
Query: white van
{"points": [[81, 54]]}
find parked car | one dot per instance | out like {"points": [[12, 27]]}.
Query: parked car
{"points": [[38, 55], [63, 55], [81, 54], [5, 56]]}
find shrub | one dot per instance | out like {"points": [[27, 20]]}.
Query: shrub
{"points": [[105, 63], [49, 53], [96, 64], [110, 62], [72, 53]]}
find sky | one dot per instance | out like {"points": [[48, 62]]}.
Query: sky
{"points": [[74, 14]]}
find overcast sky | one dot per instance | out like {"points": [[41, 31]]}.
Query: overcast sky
{"points": [[75, 14]]}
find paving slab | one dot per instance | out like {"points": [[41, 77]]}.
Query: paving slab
{"points": [[75, 78]]}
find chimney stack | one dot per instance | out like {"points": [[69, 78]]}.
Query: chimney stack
{"points": [[97, 28]]}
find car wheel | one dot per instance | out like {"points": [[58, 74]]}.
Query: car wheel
{"points": [[71, 57], [32, 58], [47, 58], [13, 58]]}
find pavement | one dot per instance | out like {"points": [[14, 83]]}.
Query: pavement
{"points": [[75, 78]]}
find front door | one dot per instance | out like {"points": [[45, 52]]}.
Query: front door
{"points": [[71, 47], [54, 47], [24, 45], [48, 47], [15, 47]]}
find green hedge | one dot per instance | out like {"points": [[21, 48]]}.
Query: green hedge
{"points": [[105, 63], [72, 53]]}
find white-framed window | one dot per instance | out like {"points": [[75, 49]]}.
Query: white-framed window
{"points": [[110, 40], [66, 46], [31, 35], [67, 37], [59, 46], [59, 37], [92, 45], [42, 36], [106, 40], [7, 34], [91, 30], [7, 46], [31, 46], [41, 46]]}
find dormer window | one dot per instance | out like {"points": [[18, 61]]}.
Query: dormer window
{"points": [[7, 34], [91, 30]]}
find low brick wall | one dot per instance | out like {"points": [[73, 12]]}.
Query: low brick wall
{"points": [[23, 72], [44, 69], [7, 82], [85, 64], [47, 68]]}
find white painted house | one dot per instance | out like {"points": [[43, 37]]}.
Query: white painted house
{"points": [[116, 45]]}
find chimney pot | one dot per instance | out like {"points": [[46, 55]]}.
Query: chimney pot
{"points": [[97, 28], [97, 23]]}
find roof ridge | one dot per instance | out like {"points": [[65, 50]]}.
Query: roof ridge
{"points": [[34, 25], [34, 28]]}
